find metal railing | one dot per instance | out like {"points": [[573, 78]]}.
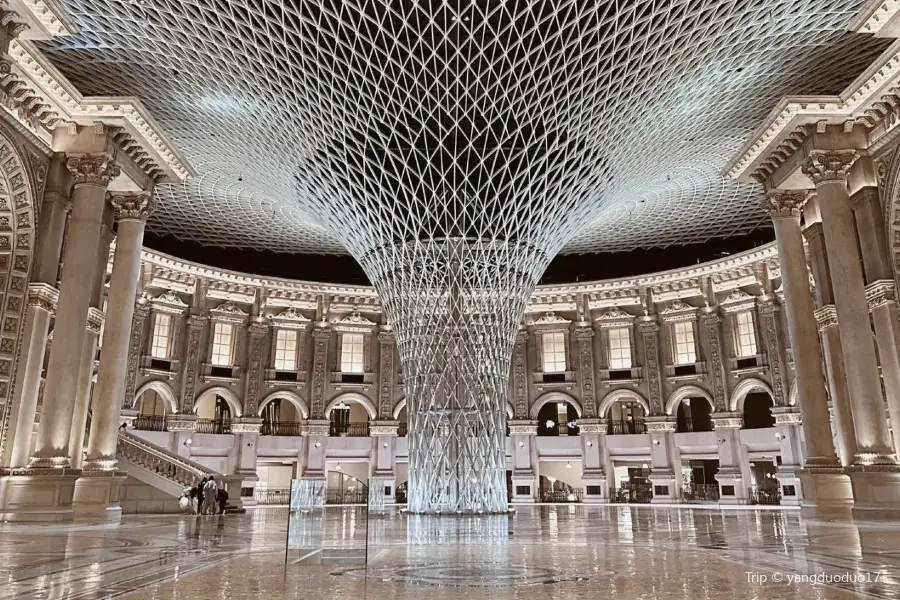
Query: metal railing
{"points": [[273, 497], [635, 493], [349, 430], [280, 428], [150, 423], [701, 492], [562, 496], [766, 495], [360, 496], [212, 426], [622, 427]]}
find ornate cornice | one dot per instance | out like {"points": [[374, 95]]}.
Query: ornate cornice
{"points": [[95, 318], [828, 166], [290, 318], [737, 301], [43, 295], [228, 311], [678, 311], [785, 204], [92, 169], [826, 317], [133, 206], [354, 323], [881, 293], [551, 320], [614, 317], [168, 302]]}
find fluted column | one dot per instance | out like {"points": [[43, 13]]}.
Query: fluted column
{"points": [[132, 211], [41, 303], [828, 171], [92, 173], [784, 208], [585, 337], [386, 373]]}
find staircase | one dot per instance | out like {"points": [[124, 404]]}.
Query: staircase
{"points": [[159, 467]]}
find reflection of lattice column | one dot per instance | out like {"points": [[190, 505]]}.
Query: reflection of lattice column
{"points": [[317, 386], [585, 337], [195, 325], [255, 358], [386, 376], [520, 375], [710, 322], [649, 330]]}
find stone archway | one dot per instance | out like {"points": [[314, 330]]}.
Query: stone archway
{"points": [[163, 389], [622, 395], [288, 396], [226, 394], [21, 182], [687, 391]]}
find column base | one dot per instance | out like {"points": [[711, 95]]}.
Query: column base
{"points": [[37, 496], [732, 491], [387, 478], [825, 495], [98, 495], [876, 490], [522, 480], [664, 491]]}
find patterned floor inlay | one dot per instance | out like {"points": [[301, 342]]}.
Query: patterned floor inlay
{"points": [[547, 552]]}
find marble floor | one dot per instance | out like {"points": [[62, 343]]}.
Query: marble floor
{"points": [[541, 552]]}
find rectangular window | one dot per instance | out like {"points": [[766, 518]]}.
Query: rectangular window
{"points": [[352, 352], [685, 352], [554, 352], [222, 345], [286, 350], [619, 348], [162, 327], [745, 334]]}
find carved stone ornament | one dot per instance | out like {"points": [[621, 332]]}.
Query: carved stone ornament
{"points": [[43, 295], [132, 207], [614, 317], [195, 325], [769, 314], [785, 204], [823, 166], [141, 310], [826, 317], [520, 382], [880, 293], [738, 300], [228, 311], [290, 318], [320, 354], [710, 322], [650, 336], [95, 318], [551, 319], [385, 375], [585, 336], [92, 169], [353, 323], [258, 333], [168, 302]]}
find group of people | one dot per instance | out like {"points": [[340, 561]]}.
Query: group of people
{"points": [[205, 498]]}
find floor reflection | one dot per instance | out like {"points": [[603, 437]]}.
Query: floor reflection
{"points": [[541, 552]]}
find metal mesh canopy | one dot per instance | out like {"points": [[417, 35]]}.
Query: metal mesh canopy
{"points": [[454, 148]]}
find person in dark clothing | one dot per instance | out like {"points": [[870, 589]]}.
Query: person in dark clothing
{"points": [[200, 495], [222, 497]]}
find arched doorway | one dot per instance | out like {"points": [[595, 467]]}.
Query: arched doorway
{"points": [[349, 415], [557, 413], [755, 400], [282, 413], [215, 410], [154, 403], [625, 411]]}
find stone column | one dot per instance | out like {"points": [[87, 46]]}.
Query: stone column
{"points": [[882, 299], [665, 460], [85, 385], [384, 457], [594, 453], [710, 322], [41, 303], [787, 434], [386, 374], [826, 318], [520, 376], [734, 462], [825, 487], [92, 173], [256, 357], [585, 336], [875, 475], [245, 442], [523, 433], [649, 331]]}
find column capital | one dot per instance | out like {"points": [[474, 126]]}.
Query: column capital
{"points": [[387, 337], [95, 319], [258, 328], [135, 206], [196, 321], [584, 333], [881, 292], [825, 166], [42, 295], [785, 204], [92, 169], [826, 317], [141, 309], [321, 333]]}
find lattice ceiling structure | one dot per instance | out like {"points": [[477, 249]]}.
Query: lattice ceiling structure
{"points": [[664, 92]]}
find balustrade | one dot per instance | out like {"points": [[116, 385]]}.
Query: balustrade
{"points": [[291, 428], [621, 427], [349, 430], [150, 423]]}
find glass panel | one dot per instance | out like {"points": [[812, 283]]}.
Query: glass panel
{"points": [[286, 350], [352, 353], [685, 353], [619, 348], [554, 352], [746, 334], [221, 349], [160, 346]]}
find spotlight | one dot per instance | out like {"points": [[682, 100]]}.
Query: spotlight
{"points": [[318, 444], [188, 442], [338, 467], [568, 465]]}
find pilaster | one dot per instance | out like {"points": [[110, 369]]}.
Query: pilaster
{"points": [[734, 462], [141, 311], [524, 476], [321, 338], [649, 331], [195, 327], [711, 323], [585, 337], [386, 348], [768, 309], [258, 331], [520, 375]]}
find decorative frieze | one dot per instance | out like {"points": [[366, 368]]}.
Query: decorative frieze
{"points": [[141, 310], [826, 317], [768, 313], [592, 426], [585, 337], [386, 346], [258, 332], [169, 303], [786, 415], [320, 356], [354, 323], [383, 428], [649, 331], [660, 424], [290, 318], [880, 293], [727, 420], [522, 427], [195, 325], [228, 312], [95, 319], [520, 380]]}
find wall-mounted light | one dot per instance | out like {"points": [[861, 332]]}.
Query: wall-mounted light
{"points": [[521, 444], [188, 442], [590, 444], [318, 444], [385, 444], [656, 442], [778, 436], [568, 465], [338, 467]]}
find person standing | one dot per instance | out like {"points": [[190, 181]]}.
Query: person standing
{"points": [[200, 496], [223, 499]]}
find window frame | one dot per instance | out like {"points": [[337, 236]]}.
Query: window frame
{"points": [[749, 333], [690, 348], [616, 362], [557, 354], [289, 347], [349, 353], [167, 347], [219, 326]]}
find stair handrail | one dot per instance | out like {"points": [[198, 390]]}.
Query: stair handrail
{"points": [[162, 461]]}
